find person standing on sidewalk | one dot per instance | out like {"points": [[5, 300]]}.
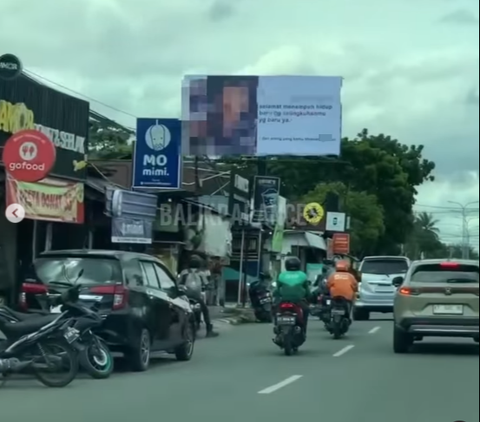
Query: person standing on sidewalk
{"points": [[195, 280]]}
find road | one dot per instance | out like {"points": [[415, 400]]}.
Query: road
{"points": [[243, 376]]}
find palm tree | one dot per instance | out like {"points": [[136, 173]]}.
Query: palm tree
{"points": [[427, 224]]}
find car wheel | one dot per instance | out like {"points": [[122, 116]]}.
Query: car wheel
{"points": [[361, 315], [139, 356], [402, 341], [185, 351]]}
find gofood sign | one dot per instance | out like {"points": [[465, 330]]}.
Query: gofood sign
{"points": [[29, 156]]}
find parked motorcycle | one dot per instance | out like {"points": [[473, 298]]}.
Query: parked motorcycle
{"points": [[261, 300], [42, 345], [339, 318], [93, 353], [290, 334]]}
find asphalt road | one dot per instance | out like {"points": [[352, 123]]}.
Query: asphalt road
{"points": [[242, 376]]}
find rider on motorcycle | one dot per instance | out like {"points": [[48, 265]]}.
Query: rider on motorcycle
{"points": [[293, 286], [194, 280], [342, 284]]}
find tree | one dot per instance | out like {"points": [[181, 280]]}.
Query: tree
{"points": [[427, 223], [108, 140], [366, 214]]}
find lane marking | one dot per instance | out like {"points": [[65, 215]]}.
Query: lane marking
{"points": [[284, 383], [374, 330], [343, 351]]}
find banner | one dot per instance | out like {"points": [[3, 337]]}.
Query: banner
{"points": [[277, 240], [262, 115], [129, 230], [341, 244], [157, 162], [48, 200], [265, 199]]}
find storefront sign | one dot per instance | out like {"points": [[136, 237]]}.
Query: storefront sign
{"points": [[10, 67], [28, 105], [265, 199], [48, 200], [341, 244], [129, 230], [157, 162], [29, 156], [129, 204], [239, 198]]}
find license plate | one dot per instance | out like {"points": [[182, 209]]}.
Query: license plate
{"points": [[448, 309], [329, 302], [286, 320], [265, 300], [338, 312], [56, 309], [71, 334], [383, 290]]}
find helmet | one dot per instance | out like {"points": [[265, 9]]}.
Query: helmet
{"points": [[195, 262], [293, 264], [342, 266]]}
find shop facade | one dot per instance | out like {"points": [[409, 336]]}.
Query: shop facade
{"points": [[54, 206]]}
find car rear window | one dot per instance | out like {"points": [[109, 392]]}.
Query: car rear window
{"points": [[436, 273], [384, 266], [98, 270]]}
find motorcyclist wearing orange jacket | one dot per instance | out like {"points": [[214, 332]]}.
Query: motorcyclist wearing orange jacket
{"points": [[342, 284]]}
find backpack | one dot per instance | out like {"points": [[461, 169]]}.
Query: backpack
{"points": [[192, 280]]}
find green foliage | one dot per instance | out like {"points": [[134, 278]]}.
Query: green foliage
{"points": [[109, 141], [424, 241], [365, 212], [376, 165]]}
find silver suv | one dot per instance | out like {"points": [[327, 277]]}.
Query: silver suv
{"points": [[437, 298], [376, 291]]}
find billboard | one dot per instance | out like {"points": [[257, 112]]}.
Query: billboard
{"points": [[266, 191], [157, 161], [261, 115]]}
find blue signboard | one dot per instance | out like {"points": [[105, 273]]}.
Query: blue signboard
{"points": [[157, 162]]}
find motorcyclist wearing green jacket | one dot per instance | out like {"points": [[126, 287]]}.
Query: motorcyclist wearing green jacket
{"points": [[293, 286]]}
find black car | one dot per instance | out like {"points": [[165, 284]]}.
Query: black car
{"points": [[146, 311]]}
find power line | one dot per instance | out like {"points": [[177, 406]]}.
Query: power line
{"points": [[35, 75]]}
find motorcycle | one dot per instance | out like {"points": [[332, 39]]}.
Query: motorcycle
{"points": [[42, 345], [261, 300], [290, 334], [93, 353], [339, 318]]}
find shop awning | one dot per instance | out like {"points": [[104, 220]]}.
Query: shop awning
{"points": [[315, 241]]}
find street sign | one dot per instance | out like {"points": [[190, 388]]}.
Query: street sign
{"points": [[29, 156]]}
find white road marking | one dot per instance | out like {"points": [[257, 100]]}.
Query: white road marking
{"points": [[343, 351], [374, 330], [284, 383]]}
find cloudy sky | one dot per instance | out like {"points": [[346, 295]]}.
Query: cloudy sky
{"points": [[410, 66]]}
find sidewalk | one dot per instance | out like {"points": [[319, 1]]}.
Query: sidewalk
{"points": [[230, 314]]}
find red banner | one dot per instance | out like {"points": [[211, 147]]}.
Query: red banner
{"points": [[341, 244], [48, 200]]}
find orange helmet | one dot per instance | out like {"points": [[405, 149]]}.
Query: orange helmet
{"points": [[342, 266]]}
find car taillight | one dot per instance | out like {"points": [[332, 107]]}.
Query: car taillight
{"points": [[119, 292], [449, 264], [406, 291], [30, 288]]}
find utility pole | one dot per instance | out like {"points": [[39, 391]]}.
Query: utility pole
{"points": [[465, 233]]}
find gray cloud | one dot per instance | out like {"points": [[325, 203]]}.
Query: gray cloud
{"points": [[462, 17], [221, 10]]}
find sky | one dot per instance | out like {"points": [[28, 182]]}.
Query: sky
{"points": [[410, 66]]}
